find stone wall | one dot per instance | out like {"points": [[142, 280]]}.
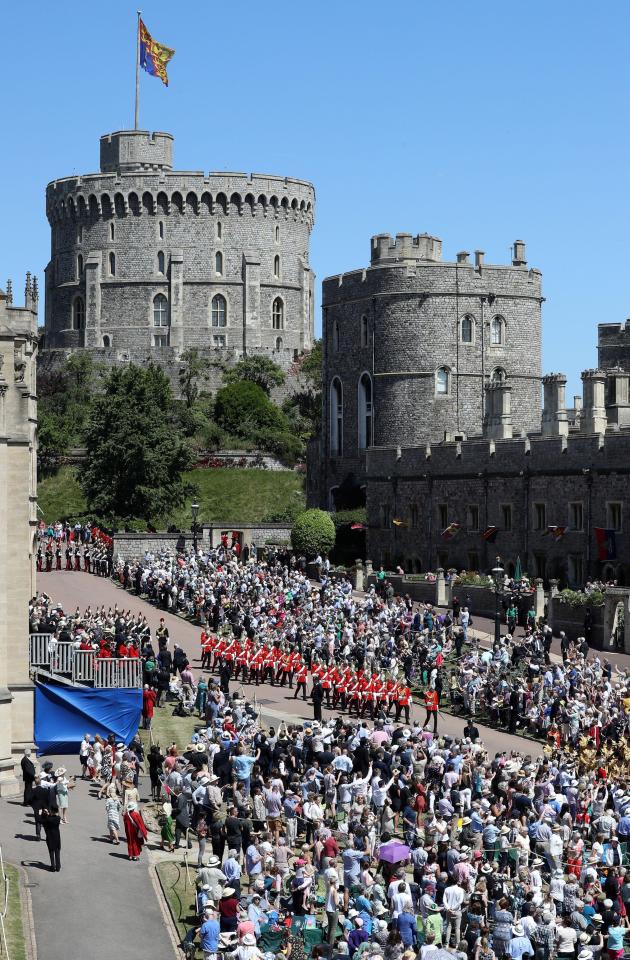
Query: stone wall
{"points": [[136, 231], [570, 619], [130, 546], [398, 322], [520, 486]]}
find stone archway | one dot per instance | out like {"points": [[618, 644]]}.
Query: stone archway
{"points": [[617, 618]]}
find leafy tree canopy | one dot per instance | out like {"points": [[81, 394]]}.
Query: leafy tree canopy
{"points": [[259, 370], [135, 454]]}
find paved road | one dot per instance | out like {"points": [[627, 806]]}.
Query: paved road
{"points": [[81, 589], [101, 904]]}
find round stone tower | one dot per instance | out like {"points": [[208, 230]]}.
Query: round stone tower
{"points": [[410, 344], [147, 261]]}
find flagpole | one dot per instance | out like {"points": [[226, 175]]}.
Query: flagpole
{"points": [[137, 112]]}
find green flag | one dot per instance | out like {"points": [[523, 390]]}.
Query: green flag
{"points": [[518, 571]]}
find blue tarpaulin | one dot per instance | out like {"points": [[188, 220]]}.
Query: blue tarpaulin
{"points": [[63, 715]]}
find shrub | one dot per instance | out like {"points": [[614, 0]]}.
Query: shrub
{"points": [[313, 532], [243, 408], [575, 598]]}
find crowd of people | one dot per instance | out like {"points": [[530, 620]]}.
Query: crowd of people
{"points": [[370, 834], [75, 547]]}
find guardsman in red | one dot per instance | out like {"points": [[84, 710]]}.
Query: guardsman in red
{"points": [[403, 701], [354, 694], [207, 651], [301, 675], [257, 664], [340, 685], [325, 677], [431, 705], [390, 696]]}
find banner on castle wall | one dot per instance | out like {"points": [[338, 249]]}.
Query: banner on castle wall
{"points": [[606, 543], [63, 715]]}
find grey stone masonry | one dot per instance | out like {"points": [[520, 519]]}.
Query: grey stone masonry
{"points": [[425, 337], [147, 261], [523, 487]]}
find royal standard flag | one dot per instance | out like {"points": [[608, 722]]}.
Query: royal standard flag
{"points": [[153, 55]]}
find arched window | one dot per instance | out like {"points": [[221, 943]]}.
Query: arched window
{"points": [[160, 311], [496, 331], [218, 263], [335, 336], [277, 314], [336, 418], [161, 229], [219, 229], [277, 234], [364, 331], [442, 381], [78, 314], [499, 375], [80, 266], [161, 262], [112, 264], [219, 311], [107, 341], [112, 230], [276, 266], [278, 344], [467, 327], [365, 412]]}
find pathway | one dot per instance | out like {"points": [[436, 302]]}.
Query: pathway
{"points": [[101, 903]]}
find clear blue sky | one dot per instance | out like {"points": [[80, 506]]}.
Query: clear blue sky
{"points": [[480, 123]]}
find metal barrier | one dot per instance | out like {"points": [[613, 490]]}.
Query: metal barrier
{"points": [[39, 648], [83, 666], [117, 673], [61, 658]]}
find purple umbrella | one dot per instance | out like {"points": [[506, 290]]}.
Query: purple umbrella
{"points": [[393, 852]]}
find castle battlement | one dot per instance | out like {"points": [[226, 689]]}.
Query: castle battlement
{"points": [[405, 247], [149, 261]]}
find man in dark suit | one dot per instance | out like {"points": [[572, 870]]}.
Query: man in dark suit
{"points": [[28, 776], [50, 820], [43, 797], [317, 696]]}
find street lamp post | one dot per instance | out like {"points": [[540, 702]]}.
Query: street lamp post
{"points": [[194, 509], [498, 574]]}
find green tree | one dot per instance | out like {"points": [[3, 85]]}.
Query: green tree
{"points": [[313, 532], [244, 409], [304, 407], [259, 370], [52, 440], [135, 455], [192, 369]]}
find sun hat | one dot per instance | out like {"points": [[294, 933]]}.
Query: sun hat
{"points": [[249, 940], [227, 891], [213, 861], [167, 808], [517, 930], [60, 771], [200, 747]]}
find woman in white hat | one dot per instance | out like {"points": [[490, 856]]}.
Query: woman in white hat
{"points": [[62, 787]]}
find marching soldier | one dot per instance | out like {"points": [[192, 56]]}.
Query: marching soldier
{"points": [[68, 557], [301, 675]]}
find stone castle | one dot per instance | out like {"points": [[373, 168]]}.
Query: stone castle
{"points": [[147, 261], [18, 528], [432, 420]]}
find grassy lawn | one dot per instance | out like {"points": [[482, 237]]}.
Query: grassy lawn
{"points": [[234, 495], [168, 729], [13, 922], [180, 895]]}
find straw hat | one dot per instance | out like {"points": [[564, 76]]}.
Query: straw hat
{"points": [[227, 892]]}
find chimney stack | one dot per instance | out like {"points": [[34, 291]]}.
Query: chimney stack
{"points": [[593, 419], [479, 255], [617, 400], [518, 256], [462, 256], [554, 417], [498, 418]]}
